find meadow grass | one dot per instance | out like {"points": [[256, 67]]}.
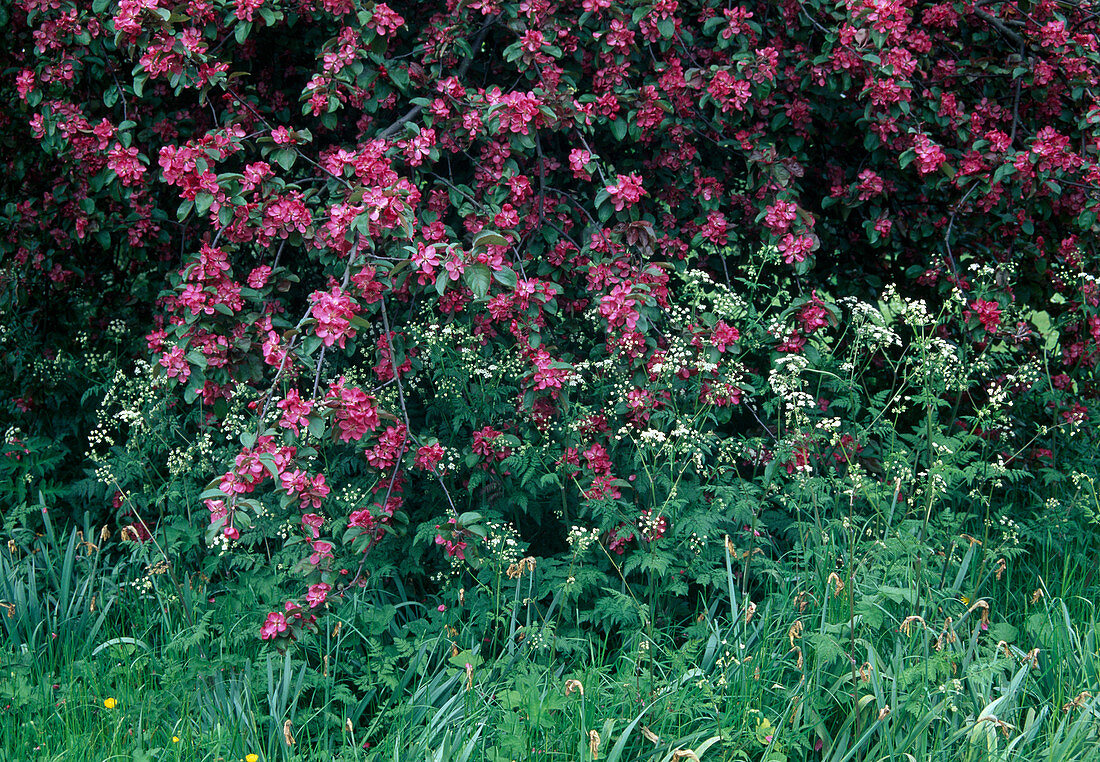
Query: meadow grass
{"points": [[902, 658]]}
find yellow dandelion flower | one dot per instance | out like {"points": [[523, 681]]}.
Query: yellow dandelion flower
{"points": [[251, 758], [175, 739], [110, 703]]}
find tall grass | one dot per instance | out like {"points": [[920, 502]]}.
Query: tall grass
{"points": [[905, 656]]}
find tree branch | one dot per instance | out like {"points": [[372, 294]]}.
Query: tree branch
{"points": [[415, 111]]}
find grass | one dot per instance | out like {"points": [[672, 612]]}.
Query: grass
{"points": [[899, 659]]}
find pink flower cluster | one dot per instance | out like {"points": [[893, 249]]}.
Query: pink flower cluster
{"points": [[355, 413], [333, 311], [626, 191]]}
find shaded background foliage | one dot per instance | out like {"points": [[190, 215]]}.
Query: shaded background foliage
{"points": [[283, 204]]}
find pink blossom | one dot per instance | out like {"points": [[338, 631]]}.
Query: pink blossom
{"points": [[175, 365], [311, 523], [626, 191], [282, 136], [730, 93], [317, 594], [870, 185], [321, 550], [385, 20], [795, 248], [258, 277], [779, 216], [619, 307], [518, 111], [125, 163], [274, 626], [724, 336], [295, 410], [929, 155], [333, 311], [428, 456], [577, 159], [716, 229], [355, 411], [813, 316], [988, 313]]}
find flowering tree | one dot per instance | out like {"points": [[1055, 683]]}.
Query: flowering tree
{"points": [[393, 247]]}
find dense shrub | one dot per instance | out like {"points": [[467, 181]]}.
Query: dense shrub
{"points": [[433, 287]]}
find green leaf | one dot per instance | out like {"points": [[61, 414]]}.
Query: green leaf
{"points": [[477, 277], [268, 461], [441, 282], [203, 200], [1003, 171], [1003, 631], [285, 158], [506, 277], [399, 77], [489, 238]]}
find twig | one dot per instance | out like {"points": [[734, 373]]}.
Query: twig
{"points": [[1015, 109], [415, 111], [951, 224], [999, 25]]}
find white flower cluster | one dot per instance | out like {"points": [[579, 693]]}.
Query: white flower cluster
{"points": [[859, 482], [872, 332], [502, 543], [785, 379], [581, 539], [697, 543], [1010, 531], [127, 400], [912, 312], [222, 544], [540, 639], [678, 356], [936, 363], [650, 522], [1001, 392], [933, 486]]}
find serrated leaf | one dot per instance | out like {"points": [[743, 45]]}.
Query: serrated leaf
{"points": [[285, 158], [506, 277], [203, 200], [478, 278], [489, 238]]}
